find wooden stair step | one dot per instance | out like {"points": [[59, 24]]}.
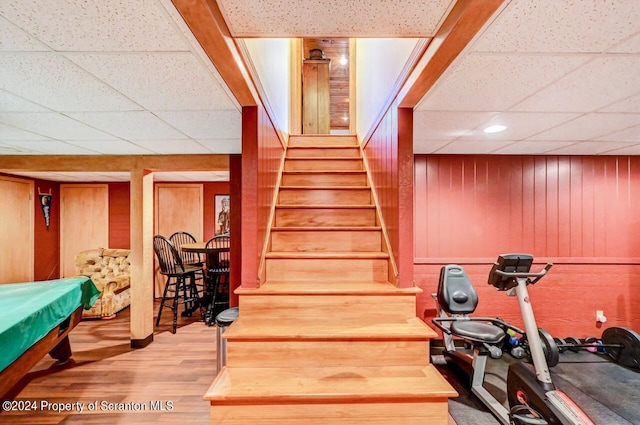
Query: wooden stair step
{"points": [[375, 327], [325, 215], [326, 255], [332, 414], [323, 288], [345, 195], [333, 163], [323, 151], [325, 178], [318, 353], [345, 268], [328, 385], [319, 140]]}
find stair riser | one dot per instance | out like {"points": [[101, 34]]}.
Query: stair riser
{"points": [[294, 164], [321, 307], [299, 141], [324, 196], [302, 217], [325, 354], [419, 413], [321, 179], [347, 270], [320, 241], [323, 152]]}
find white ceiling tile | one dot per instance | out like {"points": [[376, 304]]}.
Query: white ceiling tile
{"points": [[53, 147], [629, 150], [590, 126], [336, 18], [10, 133], [230, 146], [628, 135], [12, 103], [631, 45], [141, 125], [490, 82], [159, 81], [113, 147], [205, 124], [13, 39], [169, 177], [56, 83], [474, 146], [173, 146], [630, 104], [96, 25], [447, 125], [561, 26], [520, 125], [531, 148], [428, 146], [13, 148], [53, 125], [590, 148], [598, 83]]}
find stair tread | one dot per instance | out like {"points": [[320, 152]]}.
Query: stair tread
{"points": [[328, 187], [324, 171], [324, 147], [326, 228], [327, 254], [328, 384], [323, 288], [305, 206], [262, 328], [332, 158]]}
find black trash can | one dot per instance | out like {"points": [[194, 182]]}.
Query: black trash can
{"points": [[223, 320]]}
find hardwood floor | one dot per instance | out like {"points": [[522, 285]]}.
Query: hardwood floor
{"points": [[173, 373]]}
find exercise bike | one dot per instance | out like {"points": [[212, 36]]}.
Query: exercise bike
{"points": [[533, 398]]}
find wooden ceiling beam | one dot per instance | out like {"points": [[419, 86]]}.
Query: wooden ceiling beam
{"points": [[208, 26], [462, 24], [113, 163]]}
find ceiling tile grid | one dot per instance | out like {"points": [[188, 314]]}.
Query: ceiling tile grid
{"points": [[334, 18], [565, 74], [92, 77]]}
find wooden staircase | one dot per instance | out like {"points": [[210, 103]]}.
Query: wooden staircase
{"points": [[327, 338]]}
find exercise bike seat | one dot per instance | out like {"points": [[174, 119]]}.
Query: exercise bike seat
{"points": [[457, 296]]}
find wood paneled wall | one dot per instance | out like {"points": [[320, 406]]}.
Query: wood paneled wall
{"points": [[577, 212], [47, 241], [119, 216], [389, 154], [262, 154]]}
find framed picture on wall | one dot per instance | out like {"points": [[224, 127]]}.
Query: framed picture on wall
{"points": [[221, 208]]}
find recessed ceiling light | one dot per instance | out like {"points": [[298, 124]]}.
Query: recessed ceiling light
{"points": [[495, 129]]}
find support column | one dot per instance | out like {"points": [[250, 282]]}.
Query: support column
{"points": [[141, 258], [235, 190], [405, 198], [251, 247]]}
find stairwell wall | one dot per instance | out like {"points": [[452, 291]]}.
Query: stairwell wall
{"points": [[389, 153], [262, 156]]}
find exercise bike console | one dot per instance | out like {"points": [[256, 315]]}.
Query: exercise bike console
{"points": [[510, 267]]}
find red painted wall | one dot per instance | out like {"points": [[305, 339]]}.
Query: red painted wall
{"points": [[578, 212], [119, 216], [47, 241], [389, 153], [262, 153]]}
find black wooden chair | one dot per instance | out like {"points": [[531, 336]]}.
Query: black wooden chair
{"points": [[217, 281], [191, 259], [180, 287]]}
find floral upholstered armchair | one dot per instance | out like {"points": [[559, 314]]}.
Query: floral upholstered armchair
{"points": [[109, 270]]}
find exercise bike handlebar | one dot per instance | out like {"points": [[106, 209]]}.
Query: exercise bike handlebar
{"points": [[537, 276]]}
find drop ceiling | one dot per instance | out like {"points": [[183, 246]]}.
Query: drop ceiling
{"points": [[114, 77]]}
